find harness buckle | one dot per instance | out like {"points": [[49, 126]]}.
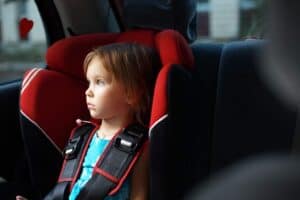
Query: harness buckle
{"points": [[125, 145], [72, 148], [130, 140]]}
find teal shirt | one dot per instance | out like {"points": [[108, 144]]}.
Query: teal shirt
{"points": [[94, 151]]}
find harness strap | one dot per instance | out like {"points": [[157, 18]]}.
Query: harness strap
{"points": [[72, 152], [111, 169], [60, 192], [115, 163]]}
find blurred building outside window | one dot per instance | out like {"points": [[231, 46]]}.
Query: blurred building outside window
{"points": [[228, 20], [19, 54]]}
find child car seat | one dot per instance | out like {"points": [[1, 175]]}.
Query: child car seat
{"points": [[52, 98]]}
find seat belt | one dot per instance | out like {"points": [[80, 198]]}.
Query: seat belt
{"points": [[111, 169], [117, 161], [73, 153]]}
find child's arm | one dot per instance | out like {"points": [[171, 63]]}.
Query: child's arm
{"points": [[140, 177]]}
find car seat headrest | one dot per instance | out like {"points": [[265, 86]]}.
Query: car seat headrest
{"points": [[173, 49], [67, 55]]}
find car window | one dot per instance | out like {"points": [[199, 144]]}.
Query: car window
{"points": [[22, 39], [227, 20]]}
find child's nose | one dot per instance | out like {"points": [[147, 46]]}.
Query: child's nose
{"points": [[89, 92]]}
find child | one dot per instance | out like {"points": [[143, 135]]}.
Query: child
{"points": [[121, 79]]}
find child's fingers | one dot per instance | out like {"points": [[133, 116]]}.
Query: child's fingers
{"points": [[18, 197]]}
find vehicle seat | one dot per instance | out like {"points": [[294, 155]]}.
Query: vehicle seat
{"points": [[53, 98], [250, 118], [221, 112]]}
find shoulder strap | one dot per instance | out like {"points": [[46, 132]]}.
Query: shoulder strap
{"points": [[73, 152], [115, 163]]}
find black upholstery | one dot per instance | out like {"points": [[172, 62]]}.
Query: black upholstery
{"points": [[170, 144], [249, 118], [205, 76], [14, 169], [181, 147], [10, 128], [218, 114], [199, 118]]}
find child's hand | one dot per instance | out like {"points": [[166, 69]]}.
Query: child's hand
{"points": [[20, 198]]}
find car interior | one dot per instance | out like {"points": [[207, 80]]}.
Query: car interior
{"points": [[213, 105]]}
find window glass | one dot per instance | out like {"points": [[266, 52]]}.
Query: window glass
{"points": [[227, 20], [22, 38]]}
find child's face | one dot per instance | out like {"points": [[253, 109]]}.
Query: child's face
{"points": [[105, 97]]}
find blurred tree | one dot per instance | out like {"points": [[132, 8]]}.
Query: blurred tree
{"points": [[253, 20]]}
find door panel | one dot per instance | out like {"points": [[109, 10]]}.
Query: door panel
{"points": [[11, 147]]}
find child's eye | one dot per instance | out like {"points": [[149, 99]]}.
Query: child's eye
{"points": [[100, 82]]}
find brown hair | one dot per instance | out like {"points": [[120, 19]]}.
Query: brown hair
{"points": [[133, 65]]}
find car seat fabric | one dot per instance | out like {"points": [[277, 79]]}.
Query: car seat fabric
{"points": [[249, 118], [53, 98], [168, 144], [180, 139], [202, 108]]}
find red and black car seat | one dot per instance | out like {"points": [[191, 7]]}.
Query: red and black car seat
{"points": [[52, 98]]}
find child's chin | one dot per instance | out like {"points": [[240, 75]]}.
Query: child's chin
{"points": [[94, 116]]}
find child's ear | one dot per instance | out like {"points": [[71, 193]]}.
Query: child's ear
{"points": [[131, 99]]}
